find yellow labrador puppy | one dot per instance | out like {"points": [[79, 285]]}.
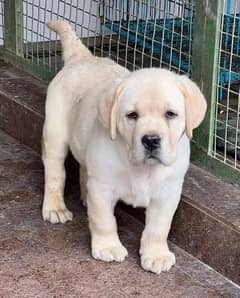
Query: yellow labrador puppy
{"points": [[130, 131]]}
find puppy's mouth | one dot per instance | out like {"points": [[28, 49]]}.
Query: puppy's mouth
{"points": [[152, 158]]}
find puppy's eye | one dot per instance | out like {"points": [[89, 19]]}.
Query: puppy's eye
{"points": [[132, 115], [170, 115]]}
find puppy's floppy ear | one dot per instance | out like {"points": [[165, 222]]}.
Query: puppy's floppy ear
{"points": [[107, 108], [195, 103]]}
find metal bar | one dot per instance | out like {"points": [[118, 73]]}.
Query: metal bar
{"points": [[13, 26], [204, 63]]}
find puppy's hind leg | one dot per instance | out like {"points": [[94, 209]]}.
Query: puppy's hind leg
{"points": [[54, 151]]}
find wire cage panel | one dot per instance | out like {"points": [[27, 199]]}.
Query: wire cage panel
{"points": [[230, 44], [155, 33], [226, 134], [41, 45], [165, 29], [134, 33]]}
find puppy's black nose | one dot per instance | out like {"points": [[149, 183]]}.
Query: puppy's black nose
{"points": [[151, 142]]}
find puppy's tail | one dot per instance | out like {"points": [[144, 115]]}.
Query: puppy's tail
{"points": [[73, 48]]}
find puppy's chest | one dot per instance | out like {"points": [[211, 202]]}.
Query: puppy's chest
{"points": [[136, 190]]}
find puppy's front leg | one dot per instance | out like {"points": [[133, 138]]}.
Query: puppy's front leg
{"points": [[54, 209], [105, 242], [154, 251]]}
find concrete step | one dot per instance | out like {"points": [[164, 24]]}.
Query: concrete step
{"points": [[38, 259], [207, 221]]}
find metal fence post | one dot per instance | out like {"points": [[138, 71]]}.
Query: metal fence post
{"points": [[207, 22], [13, 26]]}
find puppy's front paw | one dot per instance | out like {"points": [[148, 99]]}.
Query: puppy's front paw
{"points": [[114, 252], [159, 262], [57, 216]]}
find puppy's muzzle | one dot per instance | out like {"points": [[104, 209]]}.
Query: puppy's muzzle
{"points": [[151, 142]]}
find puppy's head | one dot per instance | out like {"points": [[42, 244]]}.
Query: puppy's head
{"points": [[150, 110]]}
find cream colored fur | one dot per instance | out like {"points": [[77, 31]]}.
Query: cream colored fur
{"points": [[86, 110]]}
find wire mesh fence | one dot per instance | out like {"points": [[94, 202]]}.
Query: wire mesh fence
{"points": [[134, 33], [227, 118], [41, 45], [148, 33]]}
